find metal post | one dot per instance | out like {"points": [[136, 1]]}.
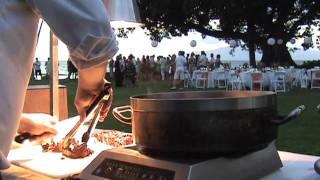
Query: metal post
{"points": [[54, 76]]}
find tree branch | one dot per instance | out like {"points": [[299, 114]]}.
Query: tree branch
{"points": [[293, 30], [218, 34]]}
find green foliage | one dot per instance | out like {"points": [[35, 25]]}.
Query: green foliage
{"points": [[253, 22], [310, 64], [269, 18]]}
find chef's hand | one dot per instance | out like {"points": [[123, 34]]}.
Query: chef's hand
{"points": [[38, 126], [85, 98], [90, 84], [107, 105]]}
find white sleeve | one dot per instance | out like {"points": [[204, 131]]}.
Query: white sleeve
{"points": [[83, 26], [4, 164]]}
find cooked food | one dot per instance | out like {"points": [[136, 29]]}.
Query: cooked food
{"points": [[52, 147], [114, 138], [73, 151]]}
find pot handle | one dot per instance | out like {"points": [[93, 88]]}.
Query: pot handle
{"points": [[317, 166], [294, 114], [117, 113]]}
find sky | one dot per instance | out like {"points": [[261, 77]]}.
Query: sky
{"points": [[139, 44]]}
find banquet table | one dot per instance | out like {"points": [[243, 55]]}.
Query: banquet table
{"points": [[268, 77], [293, 76]]}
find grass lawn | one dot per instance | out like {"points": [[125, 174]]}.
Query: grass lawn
{"points": [[301, 135]]}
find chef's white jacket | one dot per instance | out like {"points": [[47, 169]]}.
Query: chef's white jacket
{"points": [[81, 24]]}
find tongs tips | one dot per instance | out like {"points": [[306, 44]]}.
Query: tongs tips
{"points": [[97, 106]]}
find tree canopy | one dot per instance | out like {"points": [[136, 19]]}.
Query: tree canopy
{"points": [[253, 22]]}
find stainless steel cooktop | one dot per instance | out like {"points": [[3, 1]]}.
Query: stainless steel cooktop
{"points": [[130, 164]]}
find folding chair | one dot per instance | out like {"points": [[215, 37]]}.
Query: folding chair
{"points": [[315, 79], [235, 82], [256, 81], [200, 79], [304, 80], [222, 79], [279, 81], [187, 79]]}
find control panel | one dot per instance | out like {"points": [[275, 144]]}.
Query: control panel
{"points": [[120, 170]]}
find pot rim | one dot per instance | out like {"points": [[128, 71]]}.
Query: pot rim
{"points": [[201, 101], [144, 97]]}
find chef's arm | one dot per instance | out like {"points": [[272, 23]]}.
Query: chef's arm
{"points": [[90, 84], [84, 27]]}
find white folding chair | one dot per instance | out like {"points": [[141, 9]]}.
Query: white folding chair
{"points": [[294, 79], [222, 79], [211, 80], [235, 82], [200, 80], [279, 81], [304, 80], [315, 79], [256, 81], [187, 79]]}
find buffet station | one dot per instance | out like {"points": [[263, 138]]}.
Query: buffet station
{"points": [[175, 136]]}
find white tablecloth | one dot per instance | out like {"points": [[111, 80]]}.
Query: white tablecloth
{"points": [[295, 167], [268, 77], [292, 75]]}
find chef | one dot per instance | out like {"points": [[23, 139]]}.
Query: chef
{"points": [[82, 25]]}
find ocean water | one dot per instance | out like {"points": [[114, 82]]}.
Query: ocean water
{"points": [[63, 67]]}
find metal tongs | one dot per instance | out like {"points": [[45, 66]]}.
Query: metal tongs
{"points": [[97, 106]]}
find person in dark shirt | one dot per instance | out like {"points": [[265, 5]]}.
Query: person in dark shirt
{"points": [[118, 75], [131, 70]]}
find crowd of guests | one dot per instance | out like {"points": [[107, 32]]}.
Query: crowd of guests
{"points": [[149, 67], [129, 70]]}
